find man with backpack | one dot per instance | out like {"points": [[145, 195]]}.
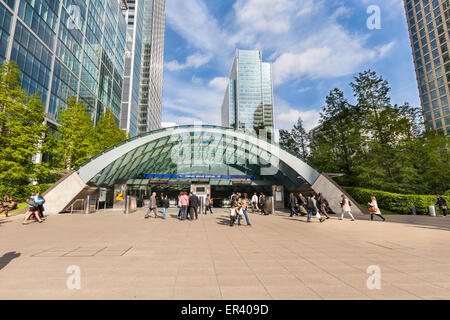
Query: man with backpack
{"points": [[312, 209]]}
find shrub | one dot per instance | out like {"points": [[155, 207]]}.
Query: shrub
{"points": [[22, 193], [398, 203]]}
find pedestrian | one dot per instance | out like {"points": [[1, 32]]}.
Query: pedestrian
{"points": [[254, 202], [302, 204], [32, 210], [292, 204], [233, 210], [262, 203], [346, 207], [322, 204], [313, 209], [374, 210], [165, 205], [152, 207], [180, 208], [243, 210], [442, 204], [184, 201], [194, 204], [9, 202], [208, 204], [40, 201]]}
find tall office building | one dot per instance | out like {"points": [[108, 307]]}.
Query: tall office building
{"points": [[67, 48], [248, 101], [150, 100], [134, 16], [429, 29]]}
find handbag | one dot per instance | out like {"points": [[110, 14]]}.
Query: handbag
{"points": [[373, 210], [241, 212]]}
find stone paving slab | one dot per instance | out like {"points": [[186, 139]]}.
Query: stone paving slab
{"points": [[278, 257]]}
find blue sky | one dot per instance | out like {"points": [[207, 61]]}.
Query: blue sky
{"points": [[314, 45]]}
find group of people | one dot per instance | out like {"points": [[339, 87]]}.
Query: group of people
{"points": [[318, 206], [239, 208], [258, 203], [35, 208], [7, 205]]}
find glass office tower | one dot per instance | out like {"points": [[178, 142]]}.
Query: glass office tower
{"points": [[248, 101], [67, 48], [429, 29], [134, 16], [150, 100]]}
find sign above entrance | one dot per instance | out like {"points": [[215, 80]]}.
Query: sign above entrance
{"points": [[197, 176]]}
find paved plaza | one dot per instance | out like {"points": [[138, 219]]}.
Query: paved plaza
{"points": [[278, 257]]}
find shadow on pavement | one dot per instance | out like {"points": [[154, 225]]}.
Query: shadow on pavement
{"points": [[7, 258]]}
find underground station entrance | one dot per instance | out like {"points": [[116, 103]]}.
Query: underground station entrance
{"points": [[201, 159]]}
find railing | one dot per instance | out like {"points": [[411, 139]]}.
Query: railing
{"points": [[82, 201]]}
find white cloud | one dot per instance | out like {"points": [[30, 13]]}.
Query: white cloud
{"points": [[383, 50], [219, 83], [288, 119], [194, 61]]}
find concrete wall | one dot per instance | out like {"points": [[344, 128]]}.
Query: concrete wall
{"points": [[62, 193], [332, 192]]}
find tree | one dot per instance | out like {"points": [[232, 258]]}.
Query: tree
{"points": [[337, 145], [76, 141], [21, 128], [296, 140], [108, 133]]}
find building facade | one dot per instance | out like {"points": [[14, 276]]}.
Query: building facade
{"points": [[429, 29], [150, 99], [248, 102], [67, 48], [134, 17]]}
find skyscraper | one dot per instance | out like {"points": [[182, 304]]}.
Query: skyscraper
{"points": [[134, 16], [67, 48], [248, 101], [150, 100], [429, 29]]}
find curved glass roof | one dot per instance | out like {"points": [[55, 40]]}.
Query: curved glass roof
{"points": [[206, 151]]}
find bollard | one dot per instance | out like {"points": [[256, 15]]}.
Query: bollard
{"points": [[127, 205], [87, 205], [432, 211]]}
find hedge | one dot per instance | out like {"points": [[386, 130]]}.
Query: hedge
{"points": [[22, 193], [398, 203]]}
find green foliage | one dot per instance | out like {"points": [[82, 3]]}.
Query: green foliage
{"points": [[21, 128], [398, 203], [296, 140], [378, 145], [108, 132], [77, 137], [22, 193]]}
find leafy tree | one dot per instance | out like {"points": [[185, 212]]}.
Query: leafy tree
{"points": [[296, 140], [21, 128], [108, 133], [76, 141], [337, 146]]}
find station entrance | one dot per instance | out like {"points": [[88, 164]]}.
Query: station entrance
{"points": [[203, 159]]}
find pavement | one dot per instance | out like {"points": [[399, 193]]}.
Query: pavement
{"points": [[116, 256]]}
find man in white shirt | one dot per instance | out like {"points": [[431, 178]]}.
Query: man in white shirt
{"points": [[254, 202]]}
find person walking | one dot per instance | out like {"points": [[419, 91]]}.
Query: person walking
{"points": [[233, 210], [322, 204], [374, 210], [194, 203], [302, 204], [180, 208], [184, 201], [165, 205], [32, 210], [208, 204], [442, 204], [346, 208], [313, 209], [40, 201], [254, 202], [262, 203], [244, 207], [292, 204], [152, 207]]}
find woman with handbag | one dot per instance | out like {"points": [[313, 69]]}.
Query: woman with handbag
{"points": [[374, 210], [243, 205]]}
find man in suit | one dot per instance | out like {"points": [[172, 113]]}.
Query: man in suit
{"points": [[152, 207], [194, 204], [292, 204]]}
